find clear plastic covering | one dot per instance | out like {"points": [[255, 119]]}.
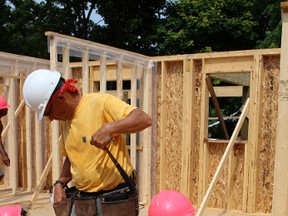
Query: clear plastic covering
{"points": [[22, 65], [78, 47]]}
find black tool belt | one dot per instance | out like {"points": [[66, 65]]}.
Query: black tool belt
{"points": [[119, 201]]}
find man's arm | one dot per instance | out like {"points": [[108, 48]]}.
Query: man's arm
{"points": [[5, 158], [65, 177], [135, 122]]}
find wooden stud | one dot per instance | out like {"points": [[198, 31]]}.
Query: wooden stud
{"points": [[119, 80], [103, 84], [145, 136], [85, 71], [203, 148], [133, 103], [66, 60], [252, 147], [57, 161], [163, 120], [12, 139], [29, 153], [38, 151], [188, 128], [280, 189]]}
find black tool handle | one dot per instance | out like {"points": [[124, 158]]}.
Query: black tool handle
{"points": [[127, 179]]}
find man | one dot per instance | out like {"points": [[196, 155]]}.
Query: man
{"points": [[92, 122], [3, 112]]}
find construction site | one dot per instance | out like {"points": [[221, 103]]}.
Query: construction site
{"points": [[243, 172]]}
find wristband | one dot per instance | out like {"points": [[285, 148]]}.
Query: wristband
{"points": [[59, 182]]}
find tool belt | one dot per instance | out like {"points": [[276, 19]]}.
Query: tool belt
{"points": [[117, 202], [121, 201]]}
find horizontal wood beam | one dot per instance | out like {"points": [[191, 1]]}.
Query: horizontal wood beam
{"points": [[200, 56], [228, 64], [241, 79], [228, 91]]}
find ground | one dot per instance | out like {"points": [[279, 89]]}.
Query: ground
{"points": [[42, 206]]}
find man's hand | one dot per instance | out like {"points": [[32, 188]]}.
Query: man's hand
{"points": [[102, 137], [59, 194], [6, 159], [101, 145]]}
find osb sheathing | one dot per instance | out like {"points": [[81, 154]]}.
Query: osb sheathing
{"points": [[173, 106], [219, 197], [267, 135]]}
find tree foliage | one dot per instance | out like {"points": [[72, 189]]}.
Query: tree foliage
{"points": [[201, 26], [130, 24], [270, 24], [4, 17], [151, 27], [27, 21]]}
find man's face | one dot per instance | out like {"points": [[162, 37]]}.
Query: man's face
{"points": [[59, 109]]}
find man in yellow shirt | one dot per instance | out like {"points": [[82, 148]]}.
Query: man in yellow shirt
{"points": [[92, 122]]}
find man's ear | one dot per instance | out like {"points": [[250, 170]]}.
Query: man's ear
{"points": [[61, 98]]}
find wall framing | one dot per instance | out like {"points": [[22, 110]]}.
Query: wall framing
{"points": [[197, 163], [176, 152]]}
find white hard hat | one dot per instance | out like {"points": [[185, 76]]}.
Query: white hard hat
{"points": [[38, 88]]}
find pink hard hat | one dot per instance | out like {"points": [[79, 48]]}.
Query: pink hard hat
{"points": [[3, 103], [10, 210], [171, 203]]}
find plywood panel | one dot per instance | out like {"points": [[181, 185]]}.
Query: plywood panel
{"points": [[267, 133]]}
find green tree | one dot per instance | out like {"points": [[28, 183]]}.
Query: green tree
{"points": [[24, 34], [74, 16], [4, 17], [270, 24], [149, 27], [130, 24], [27, 21], [192, 26]]}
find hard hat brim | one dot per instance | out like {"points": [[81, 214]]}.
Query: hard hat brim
{"points": [[6, 106]]}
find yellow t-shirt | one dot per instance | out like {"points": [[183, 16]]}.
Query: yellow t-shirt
{"points": [[92, 169]]}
